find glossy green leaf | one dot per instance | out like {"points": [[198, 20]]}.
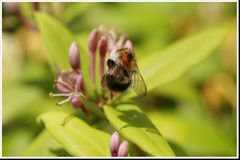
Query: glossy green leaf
{"points": [[56, 37], [76, 137], [45, 145], [134, 125]]}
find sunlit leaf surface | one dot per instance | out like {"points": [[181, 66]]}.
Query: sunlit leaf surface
{"points": [[56, 39], [76, 137], [45, 145], [133, 124]]}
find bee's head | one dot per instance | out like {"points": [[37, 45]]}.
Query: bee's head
{"points": [[119, 70], [111, 63]]}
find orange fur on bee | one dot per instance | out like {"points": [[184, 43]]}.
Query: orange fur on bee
{"points": [[128, 63]]}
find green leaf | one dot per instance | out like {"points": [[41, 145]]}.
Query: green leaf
{"points": [[181, 90], [16, 100], [74, 10], [56, 37], [180, 57], [198, 135], [93, 108], [162, 67], [45, 145], [133, 124], [76, 137], [84, 56], [15, 140]]}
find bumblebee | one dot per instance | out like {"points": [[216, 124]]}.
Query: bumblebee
{"points": [[123, 73]]}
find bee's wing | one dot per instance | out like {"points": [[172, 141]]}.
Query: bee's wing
{"points": [[138, 83], [104, 81]]}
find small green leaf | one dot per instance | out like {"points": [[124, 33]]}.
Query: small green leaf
{"points": [[76, 137], [56, 37], [45, 145], [133, 124]]}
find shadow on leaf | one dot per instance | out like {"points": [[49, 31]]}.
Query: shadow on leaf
{"points": [[60, 152], [178, 150], [135, 118]]}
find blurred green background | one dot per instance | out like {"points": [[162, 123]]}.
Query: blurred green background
{"points": [[196, 113]]}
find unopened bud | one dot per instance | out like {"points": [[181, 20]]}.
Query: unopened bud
{"points": [[123, 149], [128, 44], [103, 44], [77, 104], [92, 46], [74, 57], [113, 34], [114, 144], [120, 42], [112, 38], [93, 41], [79, 82], [103, 47]]}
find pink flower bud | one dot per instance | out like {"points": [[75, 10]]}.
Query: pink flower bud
{"points": [[120, 41], [92, 46], [113, 34], [103, 46], [123, 149], [114, 144], [112, 38], [77, 104], [93, 41], [79, 82], [74, 57], [128, 44]]}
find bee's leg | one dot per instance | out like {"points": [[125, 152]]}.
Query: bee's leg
{"points": [[111, 95]]}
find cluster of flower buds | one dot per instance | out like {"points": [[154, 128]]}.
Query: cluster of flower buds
{"points": [[117, 149], [105, 41], [70, 83]]}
